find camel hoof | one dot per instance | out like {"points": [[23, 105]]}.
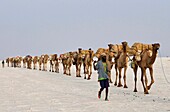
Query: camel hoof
{"points": [[88, 78], [135, 90], [146, 92], [115, 84], [120, 85], [125, 86], [149, 87]]}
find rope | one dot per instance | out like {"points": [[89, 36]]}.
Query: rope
{"points": [[163, 68]]}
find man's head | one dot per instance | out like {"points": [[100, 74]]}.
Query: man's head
{"points": [[103, 58]]}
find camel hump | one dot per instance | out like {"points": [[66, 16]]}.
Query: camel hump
{"points": [[101, 51], [140, 47]]}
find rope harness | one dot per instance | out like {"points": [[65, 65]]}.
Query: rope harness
{"points": [[163, 68]]}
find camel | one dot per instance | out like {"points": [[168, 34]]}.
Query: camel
{"points": [[11, 60], [40, 62], [79, 61], [115, 51], [24, 61], [29, 61], [121, 62], [45, 60], [7, 61], [63, 58], [88, 63], [109, 61], [54, 64], [35, 61], [17, 61], [146, 61], [69, 62]]}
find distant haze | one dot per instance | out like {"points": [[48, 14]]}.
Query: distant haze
{"points": [[38, 27]]}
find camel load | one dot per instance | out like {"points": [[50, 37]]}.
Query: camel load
{"points": [[101, 51], [137, 49]]}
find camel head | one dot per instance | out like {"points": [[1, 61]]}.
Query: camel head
{"points": [[124, 43], [156, 46], [79, 50], [110, 47], [71, 53]]}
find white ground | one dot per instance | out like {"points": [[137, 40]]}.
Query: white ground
{"points": [[23, 90]]}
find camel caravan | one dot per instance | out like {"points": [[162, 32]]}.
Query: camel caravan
{"points": [[119, 56]]}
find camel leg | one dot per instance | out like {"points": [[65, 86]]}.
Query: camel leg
{"points": [[79, 71], [109, 73], [142, 76], [57, 68], [90, 72], [39, 66], [120, 84], [50, 68], [85, 71], [43, 67], [76, 70], [69, 68], [116, 75], [146, 83], [135, 73], [64, 69], [152, 79], [34, 66], [124, 77]]}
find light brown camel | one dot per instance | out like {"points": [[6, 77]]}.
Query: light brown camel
{"points": [[40, 61], [88, 63], [116, 50], [29, 61], [122, 62], [24, 61], [17, 61], [146, 61], [109, 61], [69, 63], [7, 61], [35, 61], [45, 60], [79, 62], [54, 64], [11, 60], [63, 58]]}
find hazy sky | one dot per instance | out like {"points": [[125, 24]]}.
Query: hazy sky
{"points": [[36, 27]]}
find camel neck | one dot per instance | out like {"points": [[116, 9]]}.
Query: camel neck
{"points": [[153, 57]]}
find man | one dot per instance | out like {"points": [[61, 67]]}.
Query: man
{"points": [[103, 77], [3, 64]]}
